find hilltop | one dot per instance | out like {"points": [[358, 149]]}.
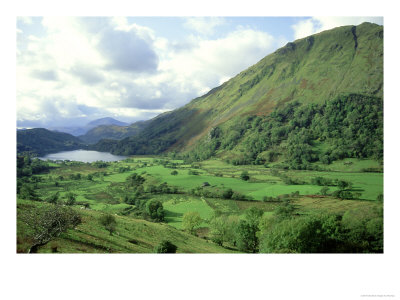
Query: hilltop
{"points": [[333, 67], [40, 141], [112, 131]]}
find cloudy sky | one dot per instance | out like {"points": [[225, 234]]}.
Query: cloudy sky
{"points": [[71, 70]]}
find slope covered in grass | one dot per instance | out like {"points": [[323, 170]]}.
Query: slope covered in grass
{"points": [[131, 236]]}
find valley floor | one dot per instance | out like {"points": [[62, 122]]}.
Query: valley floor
{"points": [[183, 188]]}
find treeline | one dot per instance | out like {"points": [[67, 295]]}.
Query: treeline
{"points": [[40, 141], [27, 166], [349, 126], [287, 231]]}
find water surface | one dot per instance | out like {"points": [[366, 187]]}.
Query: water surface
{"points": [[83, 155]]}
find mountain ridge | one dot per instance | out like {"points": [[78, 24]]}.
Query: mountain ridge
{"points": [[341, 61], [41, 141]]}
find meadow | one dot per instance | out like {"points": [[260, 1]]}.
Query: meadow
{"points": [[103, 189]]}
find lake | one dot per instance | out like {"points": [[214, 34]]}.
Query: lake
{"points": [[83, 156]]}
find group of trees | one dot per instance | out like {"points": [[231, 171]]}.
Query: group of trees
{"points": [[355, 231], [351, 125], [287, 231], [242, 233], [27, 166]]}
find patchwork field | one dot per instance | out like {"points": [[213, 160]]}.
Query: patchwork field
{"points": [[108, 189]]}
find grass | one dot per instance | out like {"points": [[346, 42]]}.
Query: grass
{"points": [[131, 236], [105, 194], [177, 206]]}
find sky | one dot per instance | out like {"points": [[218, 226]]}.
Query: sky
{"points": [[71, 70]]}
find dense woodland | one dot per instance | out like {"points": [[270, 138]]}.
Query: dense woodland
{"points": [[348, 126]]}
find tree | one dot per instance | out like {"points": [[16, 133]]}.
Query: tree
{"points": [[165, 247], [342, 184], [155, 210], [28, 193], [71, 198], [109, 222], [134, 180], [227, 194], [247, 230], [218, 230], [379, 198], [324, 191], [253, 215], [246, 237], [191, 220], [285, 210], [174, 172], [48, 222], [308, 234], [245, 176], [53, 198]]}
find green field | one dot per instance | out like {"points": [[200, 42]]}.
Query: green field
{"points": [[107, 190]]}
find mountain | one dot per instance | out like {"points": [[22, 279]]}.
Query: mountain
{"points": [[290, 94], [115, 132], [40, 141], [106, 121], [81, 130], [74, 130]]}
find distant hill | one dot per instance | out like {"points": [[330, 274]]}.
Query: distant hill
{"points": [[81, 130], [106, 121], [114, 132], [40, 141], [303, 94]]}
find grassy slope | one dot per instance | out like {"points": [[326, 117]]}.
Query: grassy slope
{"points": [[314, 69], [132, 236]]}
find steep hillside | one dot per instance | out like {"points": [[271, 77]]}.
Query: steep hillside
{"points": [[337, 63], [40, 141], [114, 132]]}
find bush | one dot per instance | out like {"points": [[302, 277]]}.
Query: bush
{"points": [[71, 199], [191, 220], [245, 176], [165, 247], [227, 194], [155, 210], [109, 222]]}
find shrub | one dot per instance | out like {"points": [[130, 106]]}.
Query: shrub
{"points": [[71, 198], [109, 222], [245, 176], [165, 247], [227, 194], [155, 210], [191, 220]]}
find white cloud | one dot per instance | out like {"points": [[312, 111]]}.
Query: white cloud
{"points": [[204, 25], [208, 62], [304, 28], [317, 24], [25, 20], [101, 66]]}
